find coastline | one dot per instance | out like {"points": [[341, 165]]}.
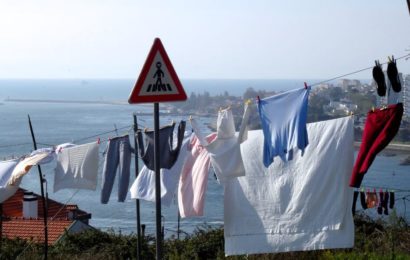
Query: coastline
{"points": [[399, 148]]}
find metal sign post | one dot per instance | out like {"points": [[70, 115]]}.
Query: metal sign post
{"points": [[137, 200], [157, 182], [157, 82]]}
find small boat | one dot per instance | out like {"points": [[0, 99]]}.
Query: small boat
{"points": [[405, 161]]}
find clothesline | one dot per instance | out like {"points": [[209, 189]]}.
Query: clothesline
{"points": [[353, 72], [121, 128]]}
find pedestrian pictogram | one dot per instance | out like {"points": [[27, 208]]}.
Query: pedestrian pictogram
{"points": [[158, 81]]}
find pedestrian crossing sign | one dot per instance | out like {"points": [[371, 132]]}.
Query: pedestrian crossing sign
{"points": [[158, 81]]}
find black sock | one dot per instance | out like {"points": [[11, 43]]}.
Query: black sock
{"points": [[363, 200], [385, 202], [381, 201], [355, 195], [391, 204]]}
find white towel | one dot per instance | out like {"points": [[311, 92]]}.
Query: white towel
{"points": [[77, 167], [303, 204]]}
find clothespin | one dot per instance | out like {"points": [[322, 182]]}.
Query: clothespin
{"points": [[98, 140], [373, 108], [389, 59], [258, 99], [374, 190], [248, 102], [115, 129], [190, 118], [306, 85], [377, 62]]}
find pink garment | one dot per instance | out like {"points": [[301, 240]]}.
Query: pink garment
{"points": [[194, 179]]}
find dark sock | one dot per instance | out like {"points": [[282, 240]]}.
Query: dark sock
{"points": [[391, 204], [355, 195], [363, 200], [381, 200], [378, 76], [393, 75], [385, 202]]}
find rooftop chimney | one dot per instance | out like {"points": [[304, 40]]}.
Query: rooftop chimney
{"points": [[72, 211], [30, 205]]}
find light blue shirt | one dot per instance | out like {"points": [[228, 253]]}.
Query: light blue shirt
{"points": [[283, 119]]}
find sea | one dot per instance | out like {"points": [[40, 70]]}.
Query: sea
{"points": [[56, 123]]}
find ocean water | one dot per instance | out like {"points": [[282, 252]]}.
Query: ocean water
{"points": [[56, 123]]}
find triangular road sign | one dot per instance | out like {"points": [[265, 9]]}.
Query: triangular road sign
{"points": [[158, 81]]}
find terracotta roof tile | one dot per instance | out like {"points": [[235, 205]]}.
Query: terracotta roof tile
{"points": [[34, 229], [13, 207]]}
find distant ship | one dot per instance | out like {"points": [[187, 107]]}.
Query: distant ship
{"points": [[405, 161]]}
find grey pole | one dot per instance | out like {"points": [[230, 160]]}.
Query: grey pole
{"points": [[42, 194], [137, 200], [157, 181]]}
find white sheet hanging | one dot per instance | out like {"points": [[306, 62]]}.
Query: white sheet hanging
{"points": [[303, 204]]}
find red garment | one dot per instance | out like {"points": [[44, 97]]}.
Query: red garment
{"points": [[380, 128]]}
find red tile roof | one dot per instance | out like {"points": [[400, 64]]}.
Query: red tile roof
{"points": [[13, 207], [14, 225], [34, 229]]}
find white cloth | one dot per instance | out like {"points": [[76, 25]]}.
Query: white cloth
{"points": [[52, 153], [303, 204], [144, 185], [224, 151], [24, 166], [12, 172], [77, 167], [6, 168]]}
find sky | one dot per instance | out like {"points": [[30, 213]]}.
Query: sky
{"points": [[231, 39]]}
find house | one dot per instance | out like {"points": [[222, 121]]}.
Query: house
{"points": [[22, 216]]}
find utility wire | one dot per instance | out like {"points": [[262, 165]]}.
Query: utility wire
{"points": [[354, 72]]}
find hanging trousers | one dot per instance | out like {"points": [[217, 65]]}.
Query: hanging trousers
{"points": [[380, 128], [118, 155]]}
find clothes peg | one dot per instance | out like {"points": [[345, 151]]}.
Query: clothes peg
{"points": [[190, 118], [389, 59], [258, 99], [306, 85], [373, 109], [98, 140], [248, 102]]}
